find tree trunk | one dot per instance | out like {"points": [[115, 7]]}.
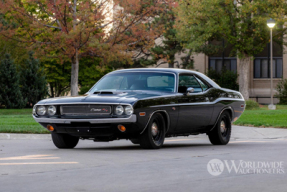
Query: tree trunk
{"points": [[244, 75], [75, 59], [58, 91], [52, 90], [75, 75]]}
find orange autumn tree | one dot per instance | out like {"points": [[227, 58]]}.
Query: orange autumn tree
{"points": [[69, 30]]}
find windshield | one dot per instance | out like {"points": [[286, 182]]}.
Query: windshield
{"points": [[152, 81]]}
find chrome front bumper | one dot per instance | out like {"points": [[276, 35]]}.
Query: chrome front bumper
{"points": [[131, 119]]}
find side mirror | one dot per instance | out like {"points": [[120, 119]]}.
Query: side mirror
{"points": [[189, 90]]}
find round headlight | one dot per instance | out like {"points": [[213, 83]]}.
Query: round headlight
{"points": [[52, 110], [119, 110], [129, 110], [41, 110]]}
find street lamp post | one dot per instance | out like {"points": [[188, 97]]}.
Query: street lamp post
{"points": [[271, 24]]}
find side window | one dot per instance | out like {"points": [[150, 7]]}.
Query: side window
{"points": [[203, 85], [163, 83], [186, 81]]}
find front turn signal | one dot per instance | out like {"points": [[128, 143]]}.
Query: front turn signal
{"points": [[122, 128], [50, 128]]}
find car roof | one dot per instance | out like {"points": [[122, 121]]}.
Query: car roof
{"points": [[175, 70], [172, 70]]}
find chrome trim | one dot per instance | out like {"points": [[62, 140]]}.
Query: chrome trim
{"points": [[220, 115], [131, 119], [168, 120], [84, 103], [189, 90], [162, 96], [201, 103]]}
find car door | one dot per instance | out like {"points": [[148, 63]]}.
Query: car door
{"points": [[195, 110]]}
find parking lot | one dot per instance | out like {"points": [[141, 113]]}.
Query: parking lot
{"points": [[32, 163]]}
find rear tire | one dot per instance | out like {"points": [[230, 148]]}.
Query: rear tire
{"points": [[154, 135], [220, 135], [64, 141]]}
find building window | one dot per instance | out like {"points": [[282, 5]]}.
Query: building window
{"points": [[218, 63], [262, 62], [262, 67], [221, 57]]}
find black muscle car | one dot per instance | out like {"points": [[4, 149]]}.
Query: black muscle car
{"points": [[145, 106]]}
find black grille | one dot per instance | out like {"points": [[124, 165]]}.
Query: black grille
{"points": [[86, 129], [85, 110], [84, 125]]}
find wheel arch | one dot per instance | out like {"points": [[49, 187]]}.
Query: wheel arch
{"points": [[165, 117], [229, 110]]}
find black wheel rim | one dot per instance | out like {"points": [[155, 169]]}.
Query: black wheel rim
{"points": [[224, 126], [156, 132]]}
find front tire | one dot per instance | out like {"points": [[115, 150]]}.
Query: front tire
{"points": [[153, 136], [221, 133], [64, 141]]}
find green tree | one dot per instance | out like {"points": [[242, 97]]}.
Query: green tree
{"points": [[224, 78], [18, 53], [71, 30], [167, 45], [10, 94], [241, 23], [90, 72], [58, 76], [33, 82]]}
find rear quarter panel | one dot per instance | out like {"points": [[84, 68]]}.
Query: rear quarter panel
{"points": [[225, 98]]}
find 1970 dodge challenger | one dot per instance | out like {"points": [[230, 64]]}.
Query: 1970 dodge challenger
{"points": [[144, 106]]}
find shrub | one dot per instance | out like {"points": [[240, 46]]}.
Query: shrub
{"points": [[225, 78], [250, 104], [282, 92], [10, 94], [34, 84]]}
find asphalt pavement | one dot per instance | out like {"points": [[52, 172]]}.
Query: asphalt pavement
{"points": [[254, 160]]}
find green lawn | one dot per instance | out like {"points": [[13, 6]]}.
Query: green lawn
{"points": [[265, 118], [19, 121]]}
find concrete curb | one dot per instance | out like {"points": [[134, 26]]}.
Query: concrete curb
{"points": [[16, 136]]}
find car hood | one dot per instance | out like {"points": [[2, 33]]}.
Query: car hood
{"points": [[115, 98]]}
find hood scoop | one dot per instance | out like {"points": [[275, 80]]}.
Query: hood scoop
{"points": [[109, 93], [103, 92]]}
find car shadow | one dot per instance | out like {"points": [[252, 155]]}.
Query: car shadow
{"points": [[137, 147]]}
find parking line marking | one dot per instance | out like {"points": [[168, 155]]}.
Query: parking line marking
{"points": [[39, 163], [29, 157]]}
